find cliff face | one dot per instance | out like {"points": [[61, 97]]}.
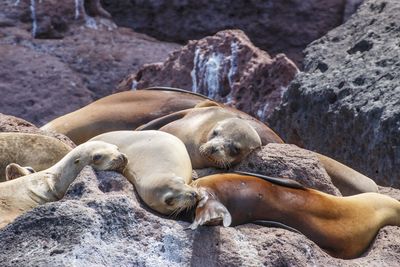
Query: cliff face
{"points": [[346, 102]]}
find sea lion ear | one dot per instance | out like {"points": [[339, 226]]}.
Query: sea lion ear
{"points": [[207, 103], [76, 161]]}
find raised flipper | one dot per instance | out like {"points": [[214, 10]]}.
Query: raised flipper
{"points": [[279, 181], [160, 122], [211, 212], [348, 181], [173, 89], [14, 171]]}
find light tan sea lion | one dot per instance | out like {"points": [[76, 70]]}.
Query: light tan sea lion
{"points": [[343, 226], [37, 151], [22, 194], [122, 111], [195, 127], [158, 166]]}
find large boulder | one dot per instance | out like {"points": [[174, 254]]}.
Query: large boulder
{"points": [[41, 79], [276, 26], [346, 103], [226, 67], [102, 222]]}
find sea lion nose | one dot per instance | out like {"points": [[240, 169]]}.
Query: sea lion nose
{"points": [[213, 150]]}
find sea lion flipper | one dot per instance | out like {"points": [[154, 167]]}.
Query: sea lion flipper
{"points": [[173, 89], [207, 103], [275, 180], [14, 171], [160, 122], [212, 212]]}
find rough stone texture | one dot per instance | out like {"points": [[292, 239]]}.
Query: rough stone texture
{"points": [[101, 222], [226, 67], [346, 103], [14, 124], [41, 79], [276, 26], [289, 161]]}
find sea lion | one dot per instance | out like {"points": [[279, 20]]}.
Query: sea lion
{"points": [[158, 166], [195, 128], [37, 151], [27, 192], [14, 171], [214, 136], [122, 111], [343, 226]]}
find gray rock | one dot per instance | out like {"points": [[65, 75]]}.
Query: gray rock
{"points": [[102, 222], [346, 103]]}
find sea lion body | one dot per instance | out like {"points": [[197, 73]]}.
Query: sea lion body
{"points": [[121, 111], [343, 226], [213, 136], [38, 151], [193, 127], [29, 191], [158, 166]]}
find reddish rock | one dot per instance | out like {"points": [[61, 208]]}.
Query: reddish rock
{"points": [[41, 79], [226, 67]]}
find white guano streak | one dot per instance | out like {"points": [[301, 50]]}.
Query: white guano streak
{"points": [[33, 16]]}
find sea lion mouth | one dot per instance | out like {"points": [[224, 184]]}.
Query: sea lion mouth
{"points": [[119, 163], [186, 202]]}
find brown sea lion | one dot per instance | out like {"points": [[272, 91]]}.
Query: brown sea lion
{"points": [[22, 194], [122, 111], [343, 226]]}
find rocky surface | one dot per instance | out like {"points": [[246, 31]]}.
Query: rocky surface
{"points": [[14, 124], [71, 65], [226, 67], [101, 222], [346, 103], [275, 26]]}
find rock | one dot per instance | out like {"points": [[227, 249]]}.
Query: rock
{"points": [[14, 124], [35, 85], [226, 67], [65, 74], [275, 26], [289, 161], [101, 221], [345, 104]]}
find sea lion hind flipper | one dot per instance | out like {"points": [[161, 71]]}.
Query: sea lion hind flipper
{"points": [[173, 89], [212, 213], [160, 122], [275, 180], [14, 171]]}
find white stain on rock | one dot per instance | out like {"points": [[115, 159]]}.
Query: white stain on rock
{"points": [[78, 7], [33, 17], [134, 85], [209, 69]]}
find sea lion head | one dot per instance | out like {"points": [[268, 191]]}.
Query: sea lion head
{"points": [[172, 197], [229, 141], [105, 156], [14, 171]]}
